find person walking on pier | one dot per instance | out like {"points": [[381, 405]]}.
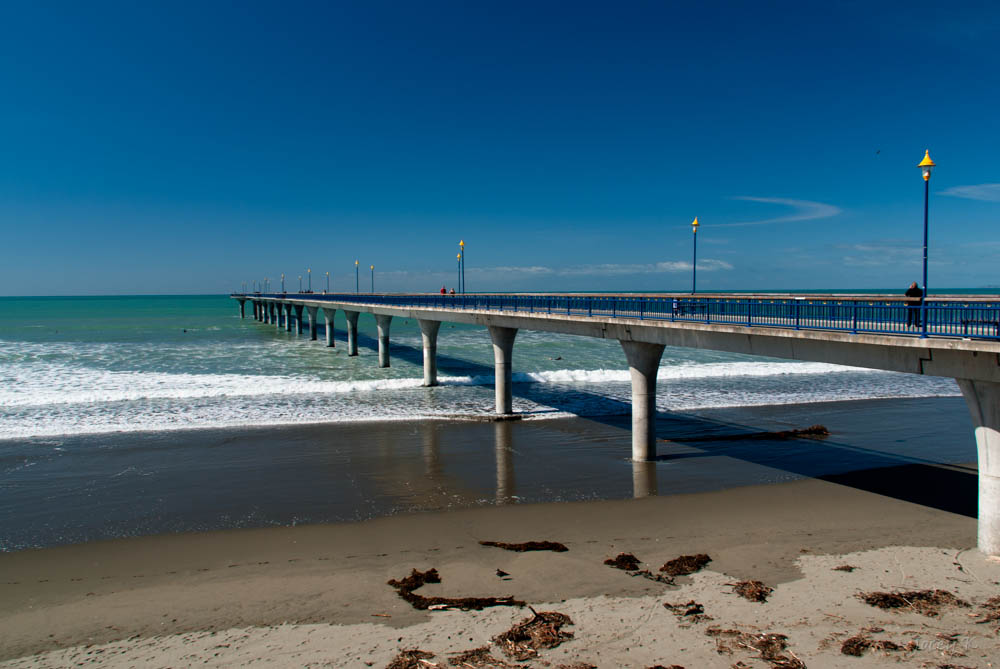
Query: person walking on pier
{"points": [[913, 306]]}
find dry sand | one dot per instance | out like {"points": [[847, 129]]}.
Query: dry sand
{"points": [[317, 595]]}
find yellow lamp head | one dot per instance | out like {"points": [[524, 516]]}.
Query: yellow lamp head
{"points": [[355, 263], [694, 225], [458, 255], [462, 243], [926, 165], [372, 267]]}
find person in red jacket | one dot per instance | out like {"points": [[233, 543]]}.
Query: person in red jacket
{"points": [[443, 291]]}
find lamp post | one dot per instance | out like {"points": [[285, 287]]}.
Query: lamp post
{"points": [[373, 278], [300, 283], [461, 246], [459, 256], [926, 165], [357, 287], [310, 273], [328, 282], [694, 255], [282, 284]]}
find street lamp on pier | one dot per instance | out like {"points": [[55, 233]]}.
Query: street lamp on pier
{"points": [[357, 285], [310, 273], [461, 246], [300, 283], [925, 165], [373, 278], [694, 255], [459, 256], [328, 282], [282, 283]]}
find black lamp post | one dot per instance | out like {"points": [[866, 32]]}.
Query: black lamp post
{"points": [[694, 255], [926, 165]]}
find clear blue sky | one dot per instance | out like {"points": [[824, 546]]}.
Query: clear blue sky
{"points": [[188, 146]]}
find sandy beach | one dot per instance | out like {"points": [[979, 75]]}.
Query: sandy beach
{"points": [[318, 595]]}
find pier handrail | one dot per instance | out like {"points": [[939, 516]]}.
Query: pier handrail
{"points": [[948, 316]]}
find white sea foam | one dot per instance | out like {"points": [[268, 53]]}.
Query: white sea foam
{"points": [[32, 384]]}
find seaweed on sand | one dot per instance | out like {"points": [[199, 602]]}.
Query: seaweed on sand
{"points": [[925, 602], [542, 630], [406, 586], [755, 591], [479, 658], [685, 564], [859, 644], [770, 647], [412, 659], [554, 546], [624, 561], [690, 611]]}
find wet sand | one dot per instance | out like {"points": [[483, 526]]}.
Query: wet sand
{"points": [[318, 593]]}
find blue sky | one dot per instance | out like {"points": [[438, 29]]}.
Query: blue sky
{"points": [[188, 147]]}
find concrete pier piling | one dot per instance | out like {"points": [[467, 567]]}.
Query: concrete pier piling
{"points": [[643, 364], [277, 315], [288, 317], [298, 319], [312, 322], [503, 348], [243, 313], [429, 334], [352, 332], [328, 316], [383, 321], [983, 398]]}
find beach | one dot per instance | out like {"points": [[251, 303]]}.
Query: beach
{"points": [[318, 595]]}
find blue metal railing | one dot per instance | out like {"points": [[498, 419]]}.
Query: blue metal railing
{"points": [[945, 318]]}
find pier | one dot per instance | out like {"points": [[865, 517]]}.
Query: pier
{"points": [[956, 337]]}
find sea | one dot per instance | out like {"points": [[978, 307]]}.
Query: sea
{"points": [[130, 415]]}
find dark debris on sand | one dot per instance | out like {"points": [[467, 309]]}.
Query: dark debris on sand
{"points": [[859, 644], [479, 658], [554, 546], [991, 610], [845, 567], [406, 586], [685, 564], [624, 561], [411, 659], [577, 665], [811, 432], [770, 647], [690, 611], [755, 591], [925, 602], [542, 630]]}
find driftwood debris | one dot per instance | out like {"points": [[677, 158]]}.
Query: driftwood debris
{"points": [[542, 630], [925, 602], [859, 644], [755, 591], [811, 432], [690, 611], [412, 659], [770, 647], [406, 586], [554, 546], [991, 610], [479, 658], [685, 564]]}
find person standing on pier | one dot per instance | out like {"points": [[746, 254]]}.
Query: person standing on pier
{"points": [[913, 306]]}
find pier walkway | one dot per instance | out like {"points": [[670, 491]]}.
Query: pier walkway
{"points": [[957, 337]]}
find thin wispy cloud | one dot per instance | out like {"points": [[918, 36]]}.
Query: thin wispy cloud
{"points": [[981, 192], [611, 269], [802, 210], [880, 253]]}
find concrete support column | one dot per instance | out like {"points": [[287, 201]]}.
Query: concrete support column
{"points": [[352, 332], [256, 310], [328, 316], [983, 398], [268, 312], [312, 322], [503, 348], [429, 333], [277, 315], [383, 322], [643, 364], [243, 312], [298, 319], [643, 479], [288, 317]]}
